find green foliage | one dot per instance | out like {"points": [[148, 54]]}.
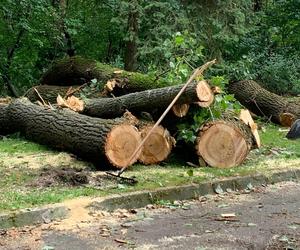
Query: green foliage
{"points": [[281, 74], [189, 128], [173, 38]]}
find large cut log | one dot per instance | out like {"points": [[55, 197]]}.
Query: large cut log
{"points": [[157, 147], [224, 143], [77, 70], [148, 100], [94, 139], [5, 126], [264, 103]]}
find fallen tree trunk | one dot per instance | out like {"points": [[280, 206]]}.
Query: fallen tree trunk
{"points": [[148, 100], [77, 70], [49, 93], [264, 103], [93, 139], [224, 143], [157, 147], [5, 126]]}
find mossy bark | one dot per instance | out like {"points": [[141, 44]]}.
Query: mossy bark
{"points": [[63, 129], [77, 70], [262, 102]]}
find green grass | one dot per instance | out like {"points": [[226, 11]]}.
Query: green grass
{"points": [[277, 153], [13, 146]]}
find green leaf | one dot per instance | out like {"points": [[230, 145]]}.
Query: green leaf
{"points": [[190, 172]]}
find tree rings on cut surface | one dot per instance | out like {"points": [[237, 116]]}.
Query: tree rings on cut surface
{"points": [[205, 94], [222, 144], [157, 147], [121, 143], [246, 117], [180, 110]]}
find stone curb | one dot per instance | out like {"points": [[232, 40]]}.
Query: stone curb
{"points": [[139, 199], [33, 216], [187, 192]]}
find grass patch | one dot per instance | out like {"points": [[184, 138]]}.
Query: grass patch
{"points": [[17, 145], [277, 153]]}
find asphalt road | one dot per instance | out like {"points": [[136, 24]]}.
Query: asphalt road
{"points": [[260, 218]]}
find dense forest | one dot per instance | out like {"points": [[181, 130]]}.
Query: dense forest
{"points": [[251, 39]]}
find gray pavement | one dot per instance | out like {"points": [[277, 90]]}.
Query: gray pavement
{"points": [[258, 218]]}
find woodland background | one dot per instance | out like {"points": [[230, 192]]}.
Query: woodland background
{"points": [[251, 39]]}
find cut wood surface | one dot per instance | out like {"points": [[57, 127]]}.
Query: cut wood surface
{"points": [[262, 102], [157, 147], [246, 117], [180, 110], [93, 139], [145, 100], [205, 94], [77, 70], [224, 144]]}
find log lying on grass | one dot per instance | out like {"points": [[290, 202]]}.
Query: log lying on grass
{"points": [[77, 70], [264, 103], [224, 143], [93, 139], [5, 126], [148, 100]]}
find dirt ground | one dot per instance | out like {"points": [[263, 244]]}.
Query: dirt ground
{"points": [[260, 218]]}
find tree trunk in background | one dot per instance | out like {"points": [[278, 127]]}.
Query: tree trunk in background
{"points": [[6, 68], [131, 44], [93, 139], [262, 102], [257, 5]]}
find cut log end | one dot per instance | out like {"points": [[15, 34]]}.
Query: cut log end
{"points": [[205, 94], [180, 110], [287, 119], [246, 117], [222, 145], [157, 147], [121, 143]]}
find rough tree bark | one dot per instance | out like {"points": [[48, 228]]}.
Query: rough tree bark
{"points": [[262, 102], [49, 93], [148, 100], [5, 126], [93, 139]]}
